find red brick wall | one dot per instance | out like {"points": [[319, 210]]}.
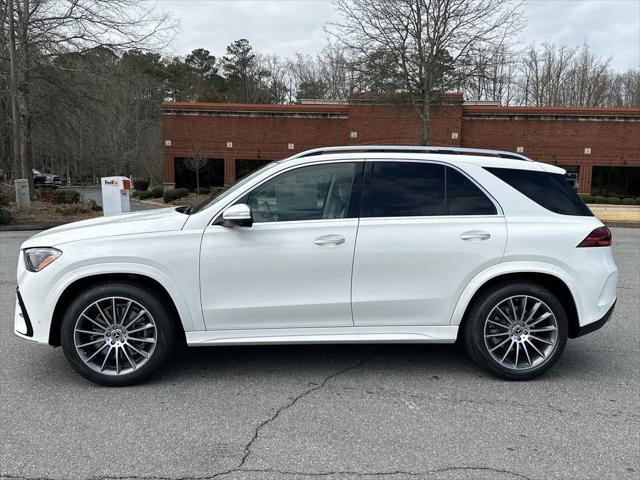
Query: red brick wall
{"points": [[554, 135]]}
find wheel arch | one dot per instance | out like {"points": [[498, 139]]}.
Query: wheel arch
{"points": [[554, 283], [75, 288]]}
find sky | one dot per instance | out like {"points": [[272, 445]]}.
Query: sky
{"points": [[284, 27]]}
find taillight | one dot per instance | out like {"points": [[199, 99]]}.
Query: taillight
{"points": [[600, 237]]}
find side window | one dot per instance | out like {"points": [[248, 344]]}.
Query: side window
{"points": [[465, 198], [308, 193], [406, 189]]}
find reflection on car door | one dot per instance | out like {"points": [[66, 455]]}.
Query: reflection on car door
{"points": [[292, 268]]}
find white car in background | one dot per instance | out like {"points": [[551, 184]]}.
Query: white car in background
{"points": [[343, 244]]}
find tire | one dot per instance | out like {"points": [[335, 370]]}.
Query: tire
{"points": [[117, 352], [502, 335]]}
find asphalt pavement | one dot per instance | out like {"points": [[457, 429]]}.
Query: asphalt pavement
{"points": [[328, 411]]}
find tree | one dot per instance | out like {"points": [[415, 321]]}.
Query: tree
{"points": [[244, 73], [42, 30], [196, 162], [419, 47]]}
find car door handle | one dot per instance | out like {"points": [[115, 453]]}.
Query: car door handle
{"points": [[475, 236], [329, 240]]}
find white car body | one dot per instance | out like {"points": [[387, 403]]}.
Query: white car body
{"points": [[393, 279]]}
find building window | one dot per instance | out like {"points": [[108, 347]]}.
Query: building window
{"points": [[245, 166], [616, 181], [210, 173]]}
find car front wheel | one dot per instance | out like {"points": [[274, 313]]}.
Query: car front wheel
{"points": [[516, 331], [117, 334]]}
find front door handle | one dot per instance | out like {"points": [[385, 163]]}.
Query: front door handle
{"points": [[475, 236], [329, 240]]}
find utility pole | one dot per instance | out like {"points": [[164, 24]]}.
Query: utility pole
{"points": [[15, 114]]}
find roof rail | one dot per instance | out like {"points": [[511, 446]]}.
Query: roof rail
{"points": [[414, 149]]}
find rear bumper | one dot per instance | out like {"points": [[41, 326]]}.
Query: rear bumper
{"points": [[598, 324]]}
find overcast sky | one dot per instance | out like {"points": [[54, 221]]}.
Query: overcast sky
{"points": [[284, 27]]}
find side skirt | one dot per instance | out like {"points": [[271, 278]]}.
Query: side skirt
{"points": [[395, 334]]}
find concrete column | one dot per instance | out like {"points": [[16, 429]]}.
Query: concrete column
{"points": [[23, 199], [584, 178], [229, 171]]}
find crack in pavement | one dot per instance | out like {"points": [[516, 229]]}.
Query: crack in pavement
{"points": [[353, 473], [314, 388]]}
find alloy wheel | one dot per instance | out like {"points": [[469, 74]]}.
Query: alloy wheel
{"points": [[115, 335], [521, 332]]}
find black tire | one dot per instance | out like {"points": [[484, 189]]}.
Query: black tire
{"points": [[165, 332], [473, 331]]}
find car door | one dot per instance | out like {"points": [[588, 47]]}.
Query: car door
{"points": [[426, 230], [292, 267]]}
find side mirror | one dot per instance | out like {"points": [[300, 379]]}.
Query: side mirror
{"points": [[238, 215]]}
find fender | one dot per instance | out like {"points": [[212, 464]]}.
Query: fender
{"points": [[191, 318], [506, 268]]}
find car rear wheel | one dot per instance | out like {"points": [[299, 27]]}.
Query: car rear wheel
{"points": [[117, 334], [516, 331]]}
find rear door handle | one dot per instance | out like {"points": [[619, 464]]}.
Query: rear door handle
{"points": [[475, 236], [329, 240]]}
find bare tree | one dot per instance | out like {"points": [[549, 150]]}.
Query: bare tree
{"points": [[44, 29], [420, 46], [196, 162]]}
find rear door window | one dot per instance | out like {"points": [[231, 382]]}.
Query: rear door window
{"points": [[419, 189], [549, 190]]}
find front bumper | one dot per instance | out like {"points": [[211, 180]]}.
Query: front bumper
{"points": [[598, 324], [22, 325]]}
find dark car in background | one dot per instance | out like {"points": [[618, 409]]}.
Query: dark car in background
{"points": [[48, 179]]}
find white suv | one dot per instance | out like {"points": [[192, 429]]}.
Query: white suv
{"points": [[343, 244]]}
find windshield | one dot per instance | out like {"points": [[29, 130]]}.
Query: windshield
{"points": [[232, 188]]}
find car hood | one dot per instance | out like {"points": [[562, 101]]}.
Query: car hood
{"points": [[157, 220]]}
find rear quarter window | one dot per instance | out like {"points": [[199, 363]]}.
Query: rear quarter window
{"points": [[549, 190]]}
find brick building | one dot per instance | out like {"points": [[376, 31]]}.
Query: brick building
{"points": [[599, 147]]}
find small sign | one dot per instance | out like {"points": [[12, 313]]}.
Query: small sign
{"points": [[454, 135], [290, 146], [167, 143], [229, 144], [519, 149], [587, 150], [354, 134]]}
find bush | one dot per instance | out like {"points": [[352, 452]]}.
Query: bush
{"points": [[599, 199], [135, 194], [201, 191], [174, 194], [73, 209], [157, 191], [615, 201], [141, 185], [5, 216], [637, 201], [629, 201], [145, 194], [4, 199], [66, 196], [586, 197]]}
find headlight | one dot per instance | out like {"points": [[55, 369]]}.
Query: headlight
{"points": [[37, 258]]}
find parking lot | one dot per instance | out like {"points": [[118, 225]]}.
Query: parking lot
{"points": [[328, 411]]}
